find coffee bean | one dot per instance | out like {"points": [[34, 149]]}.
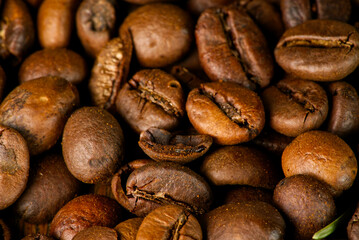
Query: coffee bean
{"points": [[97, 233], [127, 230], [228, 112], [161, 145], [232, 48], [319, 50]]}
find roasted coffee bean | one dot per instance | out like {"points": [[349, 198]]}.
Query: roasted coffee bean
{"points": [[161, 183], [151, 98], [240, 165], [272, 141], [162, 145], [319, 50], [296, 12], [245, 220], [55, 22], [169, 222], [232, 48], [97, 233], [17, 32], [83, 212], [14, 166], [92, 145], [38, 109], [50, 186], [198, 6], [353, 225], [58, 62], [226, 111], [295, 106], [322, 155], [110, 71], [248, 193], [306, 202], [161, 33], [95, 24], [186, 77], [37, 237], [344, 115], [127, 230]]}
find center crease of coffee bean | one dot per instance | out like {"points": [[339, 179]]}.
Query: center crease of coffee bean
{"points": [[162, 198], [181, 221], [320, 43]]}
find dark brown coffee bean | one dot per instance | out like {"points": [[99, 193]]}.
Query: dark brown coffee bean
{"points": [[162, 145], [324, 156], [38, 109], [92, 144], [161, 183], [127, 230], [353, 225], [344, 116], [151, 98], [198, 6], [37, 237], [55, 22], [95, 24], [161, 33], [232, 48], [17, 30], [97, 233], [319, 50], [50, 186], [247, 193], [245, 221], [83, 212], [240, 165], [110, 71], [272, 141], [169, 222], [14, 166], [186, 77], [59, 62], [228, 112], [296, 12], [295, 106], [306, 202]]}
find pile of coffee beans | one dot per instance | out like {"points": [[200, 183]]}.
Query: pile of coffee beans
{"points": [[179, 119]]}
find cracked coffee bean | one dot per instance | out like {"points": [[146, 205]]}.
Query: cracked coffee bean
{"points": [[169, 222], [226, 111], [58, 62], [295, 106], [151, 98], [109, 72], [296, 12], [92, 145], [322, 155], [251, 220], [14, 166], [344, 115], [319, 50], [232, 48], [161, 145], [83, 212], [38, 109], [150, 185], [17, 32], [95, 24]]}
